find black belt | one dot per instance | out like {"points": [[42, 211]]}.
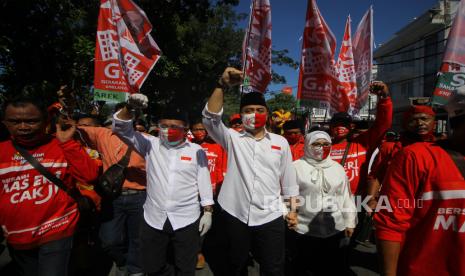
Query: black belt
{"points": [[131, 192]]}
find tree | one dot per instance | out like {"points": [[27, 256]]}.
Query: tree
{"points": [[46, 43], [54, 44], [281, 101]]}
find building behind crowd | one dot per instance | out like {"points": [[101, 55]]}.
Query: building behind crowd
{"points": [[410, 60]]}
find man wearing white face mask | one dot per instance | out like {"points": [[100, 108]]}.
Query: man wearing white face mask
{"points": [[177, 176], [329, 215], [259, 174]]}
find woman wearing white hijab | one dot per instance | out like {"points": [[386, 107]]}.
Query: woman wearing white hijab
{"points": [[329, 216]]}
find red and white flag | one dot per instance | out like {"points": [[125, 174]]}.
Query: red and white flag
{"points": [[256, 53], [363, 57], [452, 73], [317, 77], [346, 72], [125, 52]]}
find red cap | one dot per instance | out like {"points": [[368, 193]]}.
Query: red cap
{"points": [[235, 117], [415, 109]]}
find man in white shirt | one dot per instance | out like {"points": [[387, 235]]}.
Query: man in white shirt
{"points": [[259, 175], [177, 177]]}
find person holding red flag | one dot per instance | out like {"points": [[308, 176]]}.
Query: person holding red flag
{"points": [[353, 153]]}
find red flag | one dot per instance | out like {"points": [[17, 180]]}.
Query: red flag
{"points": [[452, 73], [346, 72], [363, 57], [287, 90], [317, 77], [125, 52], [257, 48]]}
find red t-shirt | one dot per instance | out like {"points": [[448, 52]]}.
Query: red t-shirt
{"points": [[217, 164], [427, 194], [363, 146], [33, 210], [298, 149]]}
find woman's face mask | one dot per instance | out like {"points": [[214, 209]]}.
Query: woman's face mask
{"points": [[320, 151], [254, 121]]}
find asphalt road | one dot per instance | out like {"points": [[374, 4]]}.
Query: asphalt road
{"points": [[363, 262]]}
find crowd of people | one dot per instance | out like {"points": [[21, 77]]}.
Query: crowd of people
{"points": [[195, 190]]}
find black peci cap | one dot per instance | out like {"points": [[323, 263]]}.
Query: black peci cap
{"points": [[293, 124], [253, 98], [175, 113], [341, 117]]}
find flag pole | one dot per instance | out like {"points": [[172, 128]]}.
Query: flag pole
{"points": [[246, 44]]}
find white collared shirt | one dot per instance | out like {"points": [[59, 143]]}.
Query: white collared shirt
{"points": [[259, 172], [325, 212], [176, 177]]}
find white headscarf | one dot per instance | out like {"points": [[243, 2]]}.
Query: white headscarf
{"points": [[319, 165]]}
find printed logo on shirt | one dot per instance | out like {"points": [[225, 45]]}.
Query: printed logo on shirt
{"points": [[18, 157], [275, 147], [25, 187]]}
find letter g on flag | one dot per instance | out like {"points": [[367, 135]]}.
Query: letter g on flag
{"points": [[112, 71]]}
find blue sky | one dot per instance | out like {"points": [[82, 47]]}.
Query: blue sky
{"points": [[288, 19]]}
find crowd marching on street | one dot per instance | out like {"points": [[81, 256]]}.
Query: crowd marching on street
{"points": [[86, 195]]}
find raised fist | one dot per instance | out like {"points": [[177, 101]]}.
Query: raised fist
{"points": [[379, 88], [138, 101], [231, 77]]}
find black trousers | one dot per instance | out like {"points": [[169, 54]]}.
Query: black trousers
{"points": [[319, 256], [266, 242], [156, 245], [49, 259]]}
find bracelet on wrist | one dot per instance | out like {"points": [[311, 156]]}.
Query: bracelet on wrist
{"points": [[221, 85]]}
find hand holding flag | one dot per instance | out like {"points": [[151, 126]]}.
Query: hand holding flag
{"points": [[231, 77]]}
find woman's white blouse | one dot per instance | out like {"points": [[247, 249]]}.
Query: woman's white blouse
{"points": [[328, 206]]}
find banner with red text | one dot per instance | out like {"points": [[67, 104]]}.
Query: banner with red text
{"points": [[125, 52], [318, 80], [363, 57], [452, 73], [346, 72], [256, 52]]}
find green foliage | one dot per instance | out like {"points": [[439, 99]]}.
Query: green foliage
{"points": [[281, 101], [46, 43]]}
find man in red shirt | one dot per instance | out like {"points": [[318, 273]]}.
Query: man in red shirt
{"points": [[419, 124], [235, 122], [293, 134], [360, 148], [216, 155], [423, 233], [213, 247], [37, 217]]}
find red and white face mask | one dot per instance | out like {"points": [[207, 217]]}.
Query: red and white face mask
{"points": [[340, 132], [172, 136], [320, 152], [254, 120]]}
